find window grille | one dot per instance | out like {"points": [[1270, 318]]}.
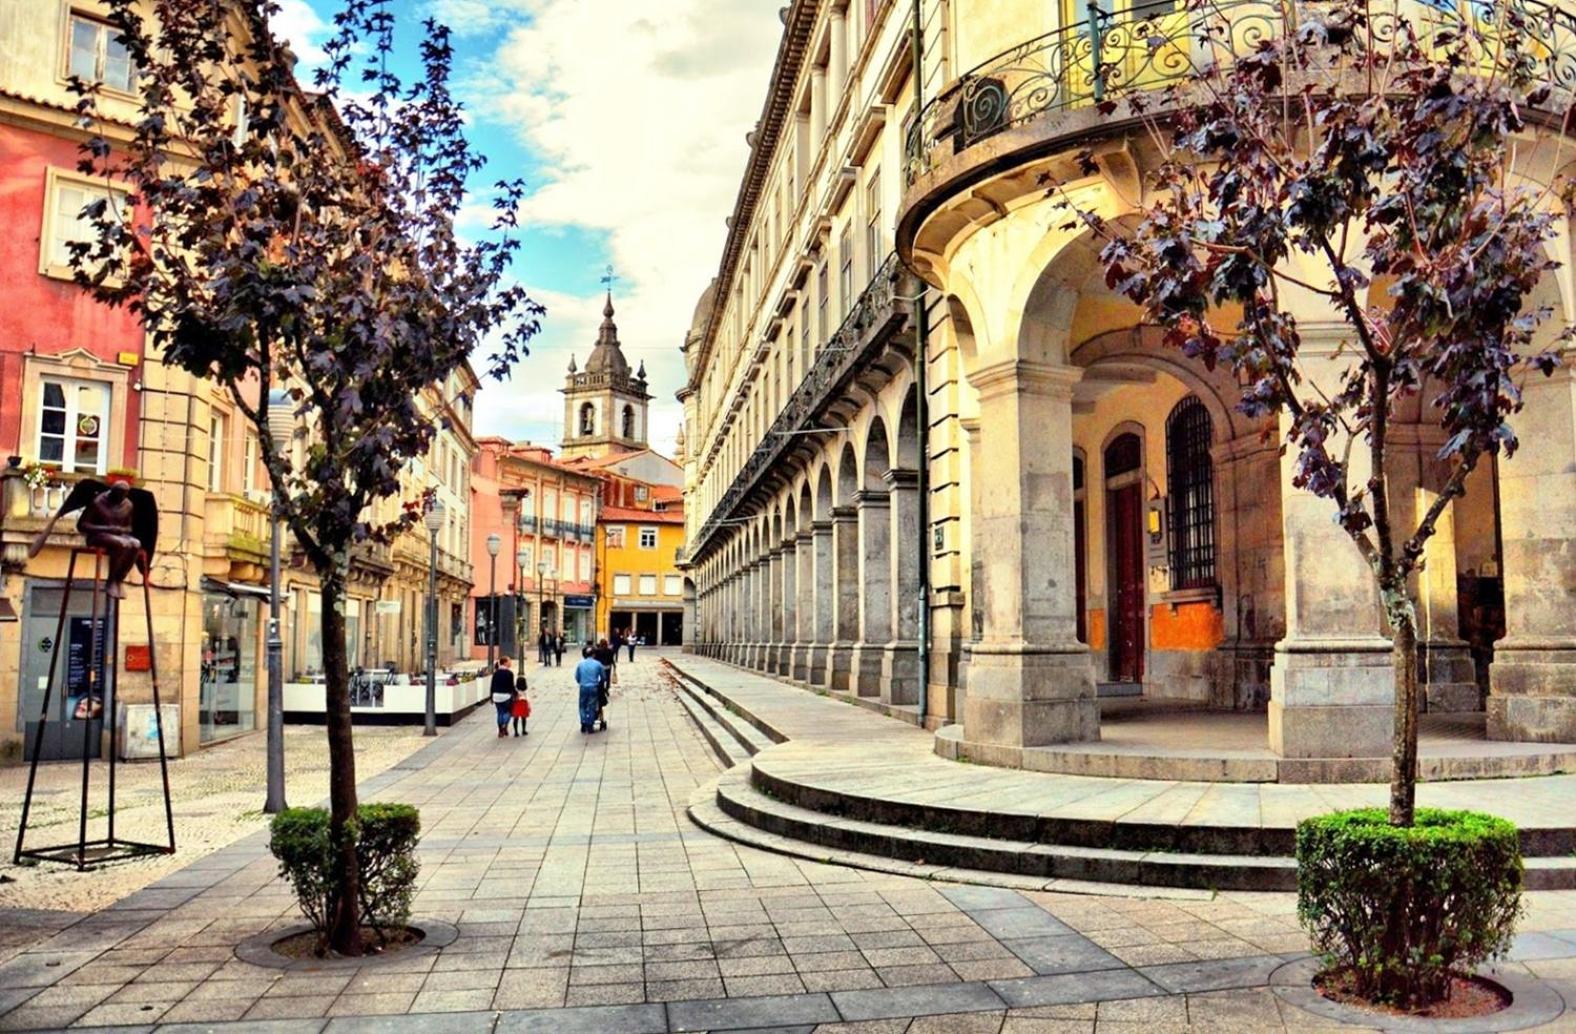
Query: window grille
{"points": [[1190, 473]]}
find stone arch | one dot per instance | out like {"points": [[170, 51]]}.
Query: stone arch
{"points": [[628, 422], [587, 422]]}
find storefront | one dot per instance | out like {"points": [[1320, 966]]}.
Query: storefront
{"points": [[578, 621], [227, 695], [70, 703]]}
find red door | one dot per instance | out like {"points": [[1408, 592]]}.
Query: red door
{"points": [[1127, 632]]}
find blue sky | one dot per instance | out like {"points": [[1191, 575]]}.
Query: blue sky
{"points": [[626, 119]]}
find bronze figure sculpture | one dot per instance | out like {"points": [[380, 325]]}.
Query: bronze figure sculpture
{"points": [[121, 520]]}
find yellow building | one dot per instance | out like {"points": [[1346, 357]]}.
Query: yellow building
{"points": [[640, 590]]}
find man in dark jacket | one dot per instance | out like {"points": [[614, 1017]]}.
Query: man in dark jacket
{"points": [[607, 655], [503, 694]]}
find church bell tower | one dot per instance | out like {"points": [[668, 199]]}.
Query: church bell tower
{"points": [[604, 404]]}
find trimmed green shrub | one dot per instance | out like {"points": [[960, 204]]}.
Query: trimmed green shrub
{"points": [[1402, 908], [386, 837]]}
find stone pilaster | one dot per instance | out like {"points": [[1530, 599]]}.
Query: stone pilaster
{"points": [[875, 591], [804, 607], [774, 606], [1532, 693], [790, 606], [1030, 680], [845, 587], [1332, 684], [824, 605], [900, 657]]}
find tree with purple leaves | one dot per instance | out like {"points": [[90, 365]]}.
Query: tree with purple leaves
{"points": [[276, 237]]}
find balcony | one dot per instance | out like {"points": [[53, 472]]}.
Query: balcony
{"points": [[238, 525], [1065, 85], [877, 319]]}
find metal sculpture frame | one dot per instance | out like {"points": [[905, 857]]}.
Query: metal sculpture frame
{"points": [[86, 854]]}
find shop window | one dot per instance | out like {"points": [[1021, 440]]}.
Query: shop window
{"points": [[1190, 475], [72, 420]]}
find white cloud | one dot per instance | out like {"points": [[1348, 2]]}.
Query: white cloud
{"points": [[301, 27], [639, 112]]}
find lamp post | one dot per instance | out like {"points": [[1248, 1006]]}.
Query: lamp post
{"points": [[494, 544], [541, 594], [522, 556], [434, 521], [281, 427]]}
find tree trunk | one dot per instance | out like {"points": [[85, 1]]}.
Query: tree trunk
{"points": [[344, 930], [1403, 775]]}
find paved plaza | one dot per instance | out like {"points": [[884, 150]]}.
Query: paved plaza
{"points": [[584, 899]]}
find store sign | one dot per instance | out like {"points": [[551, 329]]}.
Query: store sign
{"points": [[579, 601], [138, 657]]}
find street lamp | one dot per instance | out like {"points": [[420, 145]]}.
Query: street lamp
{"points": [[281, 428], [494, 544], [522, 556], [541, 595], [434, 522]]}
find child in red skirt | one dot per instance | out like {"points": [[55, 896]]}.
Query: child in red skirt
{"points": [[520, 710]]}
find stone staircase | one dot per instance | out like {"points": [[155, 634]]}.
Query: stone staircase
{"points": [[808, 776]]}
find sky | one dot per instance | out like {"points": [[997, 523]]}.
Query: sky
{"points": [[627, 120]]}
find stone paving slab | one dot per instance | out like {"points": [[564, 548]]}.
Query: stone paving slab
{"points": [[585, 900]]}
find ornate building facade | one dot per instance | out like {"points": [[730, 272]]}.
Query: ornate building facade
{"points": [[933, 461]]}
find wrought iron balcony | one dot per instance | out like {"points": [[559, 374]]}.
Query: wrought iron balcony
{"points": [[884, 308], [1156, 44]]}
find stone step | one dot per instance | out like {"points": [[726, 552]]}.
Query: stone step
{"points": [[749, 731], [724, 747], [1249, 835], [763, 821], [736, 798]]}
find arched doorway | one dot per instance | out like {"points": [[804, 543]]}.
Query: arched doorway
{"points": [[1123, 465]]}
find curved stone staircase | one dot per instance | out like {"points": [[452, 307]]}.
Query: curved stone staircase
{"points": [[807, 775]]}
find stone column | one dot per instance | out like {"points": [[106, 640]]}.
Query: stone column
{"points": [[875, 590], [774, 606], [824, 604], [752, 598], [804, 606], [1532, 692], [790, 604], [1416, 474], [900, 657], [762, 633], [845, 588], [1030, 680], [1332, 685], [837, 56], [818, 112]]}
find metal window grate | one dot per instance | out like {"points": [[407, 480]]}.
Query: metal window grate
{"points": [[1190, 475]]}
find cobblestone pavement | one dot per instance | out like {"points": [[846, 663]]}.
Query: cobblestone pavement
{"points": [[217, 794], [584, 900]]}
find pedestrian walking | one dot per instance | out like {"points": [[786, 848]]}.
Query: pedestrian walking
{"points": [[558, 650], [503, 694], [630, 642], [520, 710], [541, 648], [607, 656], [589, 674]]}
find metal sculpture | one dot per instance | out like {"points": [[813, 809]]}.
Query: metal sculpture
{"points": [[120, 526]]}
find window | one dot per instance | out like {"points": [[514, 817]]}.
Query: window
{"points": [[615, 536], [672, 585], [587, 420], [642, 493], [621, 585], [874, 245], [96, 56], [242, 119], [66, 222], [525, 552], [71, 424], [648, 585], [216, 422], [821, 291], [845, 273], [249, 464], [629, 421], [648, 538], [585, 565], [1190, 477]]}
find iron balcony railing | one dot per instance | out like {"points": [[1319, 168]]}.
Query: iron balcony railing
{"points": [[1153, 45], [886, 304]]}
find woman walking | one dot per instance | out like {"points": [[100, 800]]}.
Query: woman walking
{"points": [[503, 694]]}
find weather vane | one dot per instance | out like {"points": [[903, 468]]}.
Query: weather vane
{"points": [[608, 277]]}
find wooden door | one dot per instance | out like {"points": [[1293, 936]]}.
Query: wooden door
{"points": [[1127, 569]]}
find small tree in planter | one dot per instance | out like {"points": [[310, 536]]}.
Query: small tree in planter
{"points": [[1382, 148], [305, 241]]}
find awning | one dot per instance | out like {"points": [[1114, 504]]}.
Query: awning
{"points": [[236, 588]]}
